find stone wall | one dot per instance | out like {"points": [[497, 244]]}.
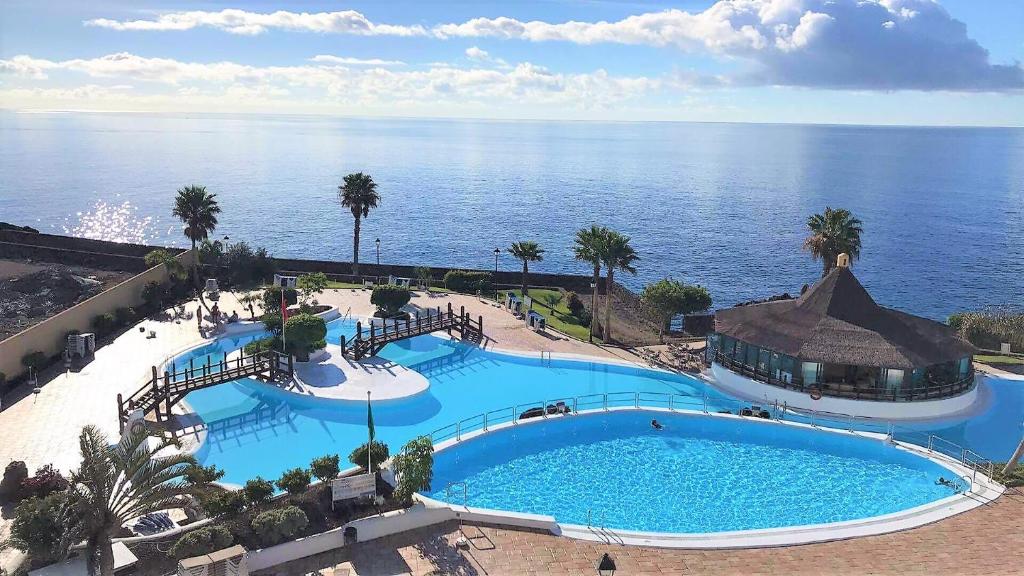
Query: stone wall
{"points": [[69, 250]]}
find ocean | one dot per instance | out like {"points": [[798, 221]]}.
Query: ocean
{"points": [[722, 205]]}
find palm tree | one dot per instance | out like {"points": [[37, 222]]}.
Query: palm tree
{"points": [[118, 483], [527, 251], [833, 233], [197, 209], [588, 248], [617, 255], [358, 194]]}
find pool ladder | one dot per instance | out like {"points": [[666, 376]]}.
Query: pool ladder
{"points": [[590, 519]]}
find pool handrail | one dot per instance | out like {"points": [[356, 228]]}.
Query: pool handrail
{"points": [[699, 403]]}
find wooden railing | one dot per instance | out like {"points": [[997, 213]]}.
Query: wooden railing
{"points": [[361, 347], [928, 391]]}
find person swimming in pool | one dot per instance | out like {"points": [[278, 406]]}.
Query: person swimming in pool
{"points": [[657, 425]]}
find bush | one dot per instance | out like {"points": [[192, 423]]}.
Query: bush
{"points": [[574, 304], [258, 491], [389, 299], [224, 502], [10, 487], [312, 285], [272, 298], [275, 526], [272, 321], [154, 294], [468, 282], [198, 475], [294, 481], [378, 450], [202, 541], [325, 468], [39, 528], [304, 331], [46, 481], [124, 316], [414, 467], [34, 360], [262, 345], [104, 324]]}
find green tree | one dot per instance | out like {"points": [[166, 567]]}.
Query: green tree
{"points": [[272, 298], [617, 254], [389, 299], [175, 271], [359, 194], [258, 490], [250, 300], [833, 232], [43, 529], [424, 275], [589, 247], [294, 481], [666, 298], [311, 285], [305, 333], [414, 468], [116, 483], [325, 468], [197, 209], [526, 251], [359, 456]]}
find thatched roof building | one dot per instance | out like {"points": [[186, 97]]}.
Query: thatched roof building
{"points": [[836, 333]]}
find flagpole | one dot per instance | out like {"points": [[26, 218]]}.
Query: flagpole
{"points": [[369, 447]]}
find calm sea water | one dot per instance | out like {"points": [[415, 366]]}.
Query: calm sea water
{"points": [[719, 204]]}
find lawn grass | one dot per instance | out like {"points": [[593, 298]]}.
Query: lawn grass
{"points": [[552, 306], [999, 359]]}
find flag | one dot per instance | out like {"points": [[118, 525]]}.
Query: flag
{"points": [[284, 309], [369, 416]]}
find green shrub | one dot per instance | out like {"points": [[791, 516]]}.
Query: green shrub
{"points": [[574, 304], [275, 526], [272, 298], [258, 490], [272, 321], [39, 528], [10, 486], [294, 481], [261, 345], [198, 475], [124, 316], [302, 332], [154, 294], [35, 360], [468, 282], [46, 481], [379, 452], [312, 285], [202, 541], [325, 468], [414, 468], [224, 502], [389, 299], [104, 324]]}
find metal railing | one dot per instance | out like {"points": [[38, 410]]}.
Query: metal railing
{"points": [[560, 407]]}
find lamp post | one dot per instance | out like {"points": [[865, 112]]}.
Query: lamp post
{"points": [[496, 252], [593, 311], [378, 252], [606, 566]]}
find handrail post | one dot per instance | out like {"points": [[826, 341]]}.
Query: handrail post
{"points": [[636, 399], [705, 402], [458, 431], [574, 404], [485, 421], [605, 401], [670, 403]]}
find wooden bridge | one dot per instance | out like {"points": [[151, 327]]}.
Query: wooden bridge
{"points": [[469, 330], [164, 391]]}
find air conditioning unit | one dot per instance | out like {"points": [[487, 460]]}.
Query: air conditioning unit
{"points": [[81, 345], [284, 281]]}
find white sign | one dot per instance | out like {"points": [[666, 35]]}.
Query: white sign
{"points": [[353, 487]]}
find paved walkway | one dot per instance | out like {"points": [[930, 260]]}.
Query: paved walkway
{"points": [[986, 540]]}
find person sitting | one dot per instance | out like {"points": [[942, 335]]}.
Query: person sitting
{"points": [[234, 316], [657, 425]]}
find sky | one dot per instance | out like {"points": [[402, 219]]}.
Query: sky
{"points": [[903, 62]]}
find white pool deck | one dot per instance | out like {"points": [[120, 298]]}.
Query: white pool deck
{"points": [[332, 376]]}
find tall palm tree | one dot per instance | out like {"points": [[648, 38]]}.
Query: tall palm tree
{"points": [[197, 209], [588, 248], [118, 483], [833, 233], [358, 193], [527, 251], [617, 255]]}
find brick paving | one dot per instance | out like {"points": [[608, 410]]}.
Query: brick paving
{"points": [[988, 540]]}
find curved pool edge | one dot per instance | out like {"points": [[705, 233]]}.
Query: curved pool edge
{"points": [[983, 490]]}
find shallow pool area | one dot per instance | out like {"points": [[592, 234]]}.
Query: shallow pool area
{"points": [[699, 474], [257, 429]]}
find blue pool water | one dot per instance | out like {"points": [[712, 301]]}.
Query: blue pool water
{"points": [[257, 429], [700, 474]]}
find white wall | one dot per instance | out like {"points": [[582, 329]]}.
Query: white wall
{"points": [[755, 391]]}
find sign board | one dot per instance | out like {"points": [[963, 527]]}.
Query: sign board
{"points": [[353, 487]]}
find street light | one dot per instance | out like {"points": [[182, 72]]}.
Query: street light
{"points": [[606, 567], [593, 310], [496, 252], [378, 252]]}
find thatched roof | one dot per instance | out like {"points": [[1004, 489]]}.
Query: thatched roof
{"points": [[837, 322]]}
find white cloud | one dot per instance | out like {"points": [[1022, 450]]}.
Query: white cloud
{"points": [[249, 23], [474, 53], [839, 44], [347, 61]]}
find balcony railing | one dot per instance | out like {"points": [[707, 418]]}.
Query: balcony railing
{"points": [[928, 391]]}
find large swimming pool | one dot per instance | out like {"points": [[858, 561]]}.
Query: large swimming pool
{"points": [[257, 429], [699, 474]]}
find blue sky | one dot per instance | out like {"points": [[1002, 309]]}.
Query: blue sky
{"points": [[825, 61]]}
